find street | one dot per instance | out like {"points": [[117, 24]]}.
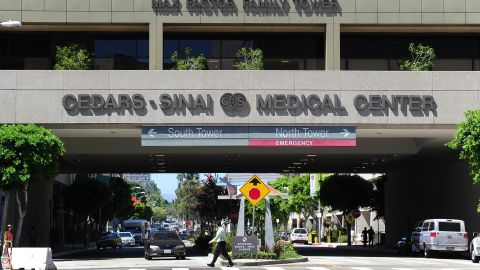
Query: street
{"points": [[132, 258]]}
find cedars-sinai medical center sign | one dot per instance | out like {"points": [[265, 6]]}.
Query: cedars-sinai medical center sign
{"points": [[238, 105]]}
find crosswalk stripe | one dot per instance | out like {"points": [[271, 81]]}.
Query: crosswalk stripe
{"points": [[229, 268], [317, 268], [274, 268], [360, 268], [179, 268]]}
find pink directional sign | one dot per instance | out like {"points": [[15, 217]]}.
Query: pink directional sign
{"points": [[302, 143]]}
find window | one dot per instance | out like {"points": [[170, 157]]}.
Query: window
{"points": [[449, 227], [282, 51], [165, 236], [425, 226], [431, 227]]}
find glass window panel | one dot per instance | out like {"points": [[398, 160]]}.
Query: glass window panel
{"points": [[284, 64], [104, 63], [213, 64], [209, 48], [115, 48], [142, 63], [230, 47], [38, 63], [315, 64], [284, 46], [314, 47], [3, 46], [367, 64], [30, 45], [453, 64], [142, 48], [227, 64], [169, 46]]}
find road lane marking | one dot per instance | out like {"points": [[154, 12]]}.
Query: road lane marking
{"points": [[179, 268], [318, 268], [274, 268], [361, 268], [229, 268]]}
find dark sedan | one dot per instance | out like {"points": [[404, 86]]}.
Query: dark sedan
{"points": [[164, 244], [109, 239]]}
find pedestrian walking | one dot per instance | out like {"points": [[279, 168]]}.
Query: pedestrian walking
{"points": [[364, 236], [371, 234], [8, 245], [220, 238]]}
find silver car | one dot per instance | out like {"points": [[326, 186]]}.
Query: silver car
{"points": [[127, 238]]}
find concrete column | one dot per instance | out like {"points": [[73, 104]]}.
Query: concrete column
{"points": [[269, 240], [332, 46], [155, 37], [241, 218]]}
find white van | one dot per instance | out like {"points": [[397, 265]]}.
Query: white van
{"points": [[447, 235]]}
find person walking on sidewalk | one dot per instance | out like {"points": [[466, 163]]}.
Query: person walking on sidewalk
{"points": [[371, 234], [220, 238], [364, 236]]}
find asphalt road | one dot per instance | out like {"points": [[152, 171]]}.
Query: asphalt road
{"points": [[132, 258]]}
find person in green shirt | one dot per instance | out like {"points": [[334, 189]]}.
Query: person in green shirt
{"points": [[220, 238]]}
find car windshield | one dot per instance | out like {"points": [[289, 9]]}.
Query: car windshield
{"points": [[133, 229], [165, 236], [125, 234], [300, 231], [449, 226]]}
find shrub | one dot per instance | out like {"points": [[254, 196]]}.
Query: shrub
{"points": [[189, 62], [422, 58], [342, 239], [249, 59], [260, 255], [72, 57]]}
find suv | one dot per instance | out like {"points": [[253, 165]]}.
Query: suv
{"points": [[299, 235], [446, 235]]}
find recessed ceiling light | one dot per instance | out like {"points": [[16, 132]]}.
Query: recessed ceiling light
{"points": [[161, 170], [312, 155], [161, 163], [291, 167], [285, 170], [159, 155], [297, 163]]}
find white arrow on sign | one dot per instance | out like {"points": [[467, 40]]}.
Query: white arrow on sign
{"points": [[152, 132], [345, 132]]}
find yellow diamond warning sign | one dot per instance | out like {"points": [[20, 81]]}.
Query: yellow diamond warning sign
{"points": [[254, 190]]}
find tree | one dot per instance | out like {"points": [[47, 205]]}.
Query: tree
{"points": [[189, 62], [379, 197], [121, 205], [28, 153], [72, 57], [141, 211], [422, 58], [85, 196], [188, 187], [209, 208], [345, 193], [249, 59], [301, 201], [467, 141], [159, 213]]}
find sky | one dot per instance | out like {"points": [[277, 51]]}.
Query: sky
{"points": [[167, 183]]}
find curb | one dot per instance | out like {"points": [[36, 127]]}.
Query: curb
{"points": [[269, 262], [70, 252]]}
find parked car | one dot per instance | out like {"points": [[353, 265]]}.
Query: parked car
{"points": [[299, 235], [443, 235], [127, 238], [164, 243], [475, 248], [109, 239]]}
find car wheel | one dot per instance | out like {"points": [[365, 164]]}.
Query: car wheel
{"points": [[104, 248], [427, 253], [183, 258], [149, 258], [475, 258], [98, 247], [114, 247], [177, 258]]}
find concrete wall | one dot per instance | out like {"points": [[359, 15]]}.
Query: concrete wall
{"points": [[421, 192], [36, 96], [352, 12]]}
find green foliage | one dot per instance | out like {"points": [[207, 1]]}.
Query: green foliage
{"points": [[188, 187], [379, 197], [345, 192], [188, 61], [121, 204], [86, 195], [141, 211], [467, 141], [422, 58], [260, 255], [72, 57], [249, 59], [342, 239], [159, 213], [28, 153]]}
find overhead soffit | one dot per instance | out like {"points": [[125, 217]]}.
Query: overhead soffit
{"points": [[80, 27], [408, 29], [312, 28]]}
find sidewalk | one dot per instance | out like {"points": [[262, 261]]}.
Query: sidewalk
{"points": [[69, 249]]}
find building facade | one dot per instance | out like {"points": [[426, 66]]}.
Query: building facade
{"points": [[331, 98]]}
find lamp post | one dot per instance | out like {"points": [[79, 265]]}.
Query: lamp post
{"points": [[11, 24]]}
